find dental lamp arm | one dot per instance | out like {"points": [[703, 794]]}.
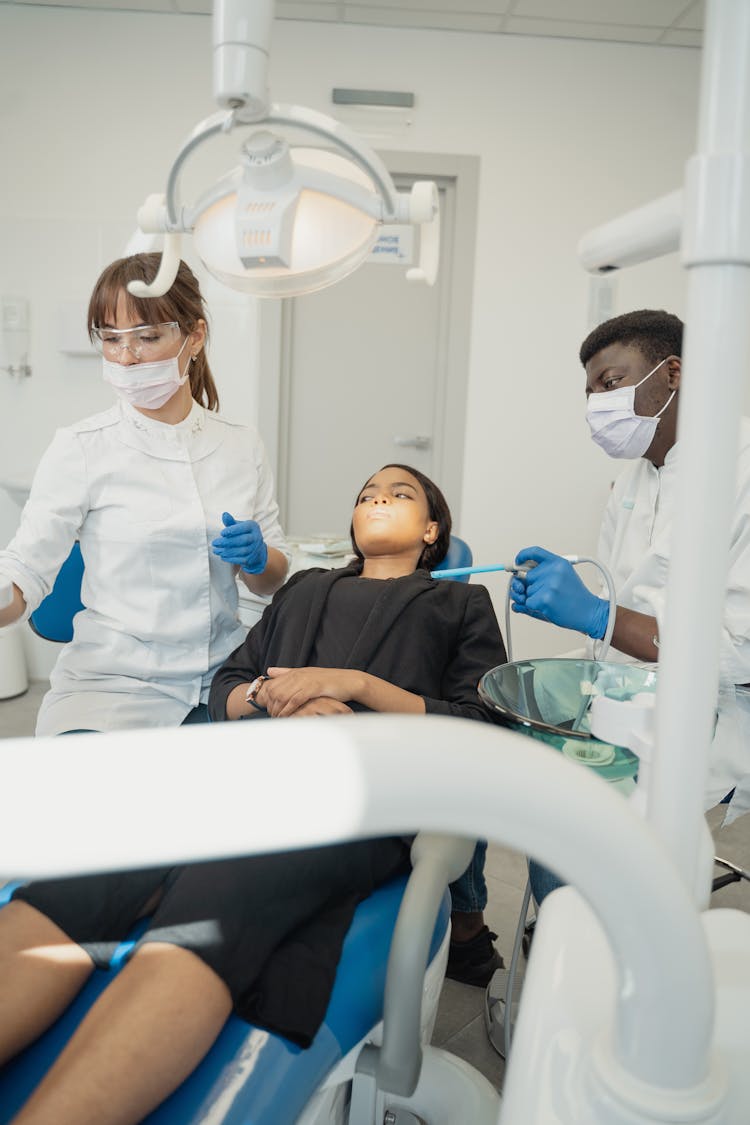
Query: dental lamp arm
{"points": [[167, 272], [241, 34], [159, 214], [328, 129], [471, 781], [637, 236], [425, 211]]}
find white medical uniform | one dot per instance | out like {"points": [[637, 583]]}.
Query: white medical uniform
{"points": [[145, 499], [635, 543]]}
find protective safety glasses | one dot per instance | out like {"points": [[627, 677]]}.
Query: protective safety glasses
{"points": [[147, 342]]}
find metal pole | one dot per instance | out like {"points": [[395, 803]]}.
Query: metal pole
{"points": [[716, 252]]}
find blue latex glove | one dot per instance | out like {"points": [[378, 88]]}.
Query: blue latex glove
{"points": [[241, 542], [552, 591]]}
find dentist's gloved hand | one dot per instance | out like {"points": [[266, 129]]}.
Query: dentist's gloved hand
{"points": [[552, 591], [241, 542]]}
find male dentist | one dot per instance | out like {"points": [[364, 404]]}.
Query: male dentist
{"points": [[633, 368]]}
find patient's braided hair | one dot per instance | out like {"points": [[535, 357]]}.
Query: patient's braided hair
{"points": [[182, 302], [654, 332], [438, 510]]}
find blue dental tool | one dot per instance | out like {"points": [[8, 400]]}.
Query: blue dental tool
{"points": [[458, 572]]}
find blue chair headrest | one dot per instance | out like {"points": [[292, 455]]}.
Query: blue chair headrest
{"points": [[459, 554]]}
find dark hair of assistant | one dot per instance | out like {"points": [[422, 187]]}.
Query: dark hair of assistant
{"points": [[182, 302]]}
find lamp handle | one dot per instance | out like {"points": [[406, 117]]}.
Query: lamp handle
{"points": [[424, 208], [167, 272]]}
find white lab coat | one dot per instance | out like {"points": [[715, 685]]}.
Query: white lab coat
{"points": [[145, 500], [635, 543]]}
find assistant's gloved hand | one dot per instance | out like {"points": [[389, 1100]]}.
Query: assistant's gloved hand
{"points": [[552, 591], [241, 542]]}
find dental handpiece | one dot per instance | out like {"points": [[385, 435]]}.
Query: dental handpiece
{"points": [[520, 569]]}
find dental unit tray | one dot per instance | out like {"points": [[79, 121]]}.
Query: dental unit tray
{"points": [[549, 699], [326, 548]]}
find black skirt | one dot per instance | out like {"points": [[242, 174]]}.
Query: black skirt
{"points": [[270, 926]]}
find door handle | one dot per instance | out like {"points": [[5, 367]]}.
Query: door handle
{"points": [[415, 441]]}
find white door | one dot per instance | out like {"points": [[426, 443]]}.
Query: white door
{"points": [[366, 380]]}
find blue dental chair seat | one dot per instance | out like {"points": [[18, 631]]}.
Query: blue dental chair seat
{"points": [[284, 1077]]}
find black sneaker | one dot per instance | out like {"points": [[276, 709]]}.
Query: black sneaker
{"points": [[474, 961]]}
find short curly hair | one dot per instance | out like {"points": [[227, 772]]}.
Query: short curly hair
{"points": [[654, 332]]}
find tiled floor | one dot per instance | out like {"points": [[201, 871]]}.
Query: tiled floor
{"points": [[460, 1022], [18, 716], [460, 1026]]}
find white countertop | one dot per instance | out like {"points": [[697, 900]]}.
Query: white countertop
{"points": [[313, 550]]}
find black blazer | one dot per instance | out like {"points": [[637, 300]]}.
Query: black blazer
{"points": [[434, 638]]}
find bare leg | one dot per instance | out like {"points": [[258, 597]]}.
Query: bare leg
{"points": [[145, 1034], [41, 971]]}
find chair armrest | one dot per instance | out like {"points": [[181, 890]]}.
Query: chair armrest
{"points": [[437, 860]]}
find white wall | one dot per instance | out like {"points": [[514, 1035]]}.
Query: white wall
{"points": [[93, 106]]}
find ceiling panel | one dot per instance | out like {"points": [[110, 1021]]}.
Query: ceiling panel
{"points": [[429, 7], [404, 17], [637, 13], [305, 10], [693, 17], [577, 29], [681, 37], [675, 23]]}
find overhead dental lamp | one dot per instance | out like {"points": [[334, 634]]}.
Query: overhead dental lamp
{"points": [[288, 219]]}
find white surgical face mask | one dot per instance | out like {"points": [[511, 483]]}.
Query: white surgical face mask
{"points": [[148, 385], [614, 424]]}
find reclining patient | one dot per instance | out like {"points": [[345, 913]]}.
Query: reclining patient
{"points": [[262, 934]]}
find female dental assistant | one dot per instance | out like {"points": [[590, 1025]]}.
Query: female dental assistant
{"points": [[169, 502]]}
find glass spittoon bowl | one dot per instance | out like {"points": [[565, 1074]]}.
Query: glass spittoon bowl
{"points": [[549, 699]]}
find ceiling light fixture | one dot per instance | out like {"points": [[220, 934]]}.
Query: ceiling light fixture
{"points": [[289, 219]]}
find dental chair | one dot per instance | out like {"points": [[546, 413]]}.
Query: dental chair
{"points": [[383, 1004], [53, 618], [459, 554], [253, 1077]]}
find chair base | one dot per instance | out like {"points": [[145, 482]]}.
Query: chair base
{"points": [[498, 1020]]}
